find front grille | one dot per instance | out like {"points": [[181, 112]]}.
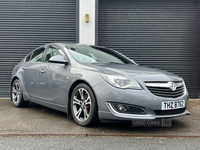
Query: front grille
{"points": [[166, 91], [169, 112]]}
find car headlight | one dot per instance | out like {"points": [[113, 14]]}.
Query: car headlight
{"points": [[121, 82]]}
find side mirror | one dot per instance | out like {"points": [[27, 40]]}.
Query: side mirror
{"points": [[58, 59]]}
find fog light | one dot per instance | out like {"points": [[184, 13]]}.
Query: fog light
{"points": [[128, 109], [121, 108]]}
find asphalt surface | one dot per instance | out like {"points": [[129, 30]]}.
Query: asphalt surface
{"points": [[97, 143], [36, 119]]}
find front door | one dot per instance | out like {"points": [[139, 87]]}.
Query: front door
{"points": [[52, 78]]}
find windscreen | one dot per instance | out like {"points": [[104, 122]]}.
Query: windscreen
{"points": [[94, 54]]}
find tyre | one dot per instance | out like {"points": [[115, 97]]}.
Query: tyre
{"points": [[17, 95], [83, 106]]}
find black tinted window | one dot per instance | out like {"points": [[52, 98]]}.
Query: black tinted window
{"points": [[37, 55]]}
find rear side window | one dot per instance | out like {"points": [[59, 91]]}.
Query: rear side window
{"points": [[36, 55]]}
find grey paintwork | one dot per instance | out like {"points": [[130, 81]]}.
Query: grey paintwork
{"points": [[49, 84]]}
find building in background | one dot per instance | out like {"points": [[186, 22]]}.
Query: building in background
{"points": [[164, 34]]}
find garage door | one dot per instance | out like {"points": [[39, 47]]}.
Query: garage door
{"points": [[159, 33], [25, 24]]}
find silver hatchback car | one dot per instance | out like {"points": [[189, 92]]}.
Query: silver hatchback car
{"points": [[92, 83]]}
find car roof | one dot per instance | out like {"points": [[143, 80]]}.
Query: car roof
{"points": [[71, 44], [65, 43]]}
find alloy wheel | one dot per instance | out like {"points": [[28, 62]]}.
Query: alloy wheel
{"points": [[82, 104], [16, 91]]}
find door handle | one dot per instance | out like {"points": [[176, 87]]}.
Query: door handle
{"points": [[41, 71]]}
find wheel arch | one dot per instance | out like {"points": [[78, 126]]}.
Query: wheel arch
{"points": [[70, 94]]}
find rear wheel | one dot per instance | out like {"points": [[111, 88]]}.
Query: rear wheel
{"points": [[83, 105], [16, 95]]}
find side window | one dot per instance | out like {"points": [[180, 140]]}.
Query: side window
{"points": [[28, 58], [37, 55], [52, 51]]}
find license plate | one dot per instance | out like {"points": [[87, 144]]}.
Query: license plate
{"points": [[168, 105], [152, 123]]}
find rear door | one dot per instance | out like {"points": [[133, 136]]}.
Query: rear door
{"points": [[30, 73]]}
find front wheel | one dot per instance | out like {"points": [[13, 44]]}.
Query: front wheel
{"points": [[16, 95], [83, 105]]}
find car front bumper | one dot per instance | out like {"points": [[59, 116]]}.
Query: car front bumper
{"points": [[106, 94]]}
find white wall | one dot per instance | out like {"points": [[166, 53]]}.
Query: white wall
{"points": [[87, 30]]}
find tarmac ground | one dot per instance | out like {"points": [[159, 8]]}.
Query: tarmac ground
{"points": [[36, 119]]}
